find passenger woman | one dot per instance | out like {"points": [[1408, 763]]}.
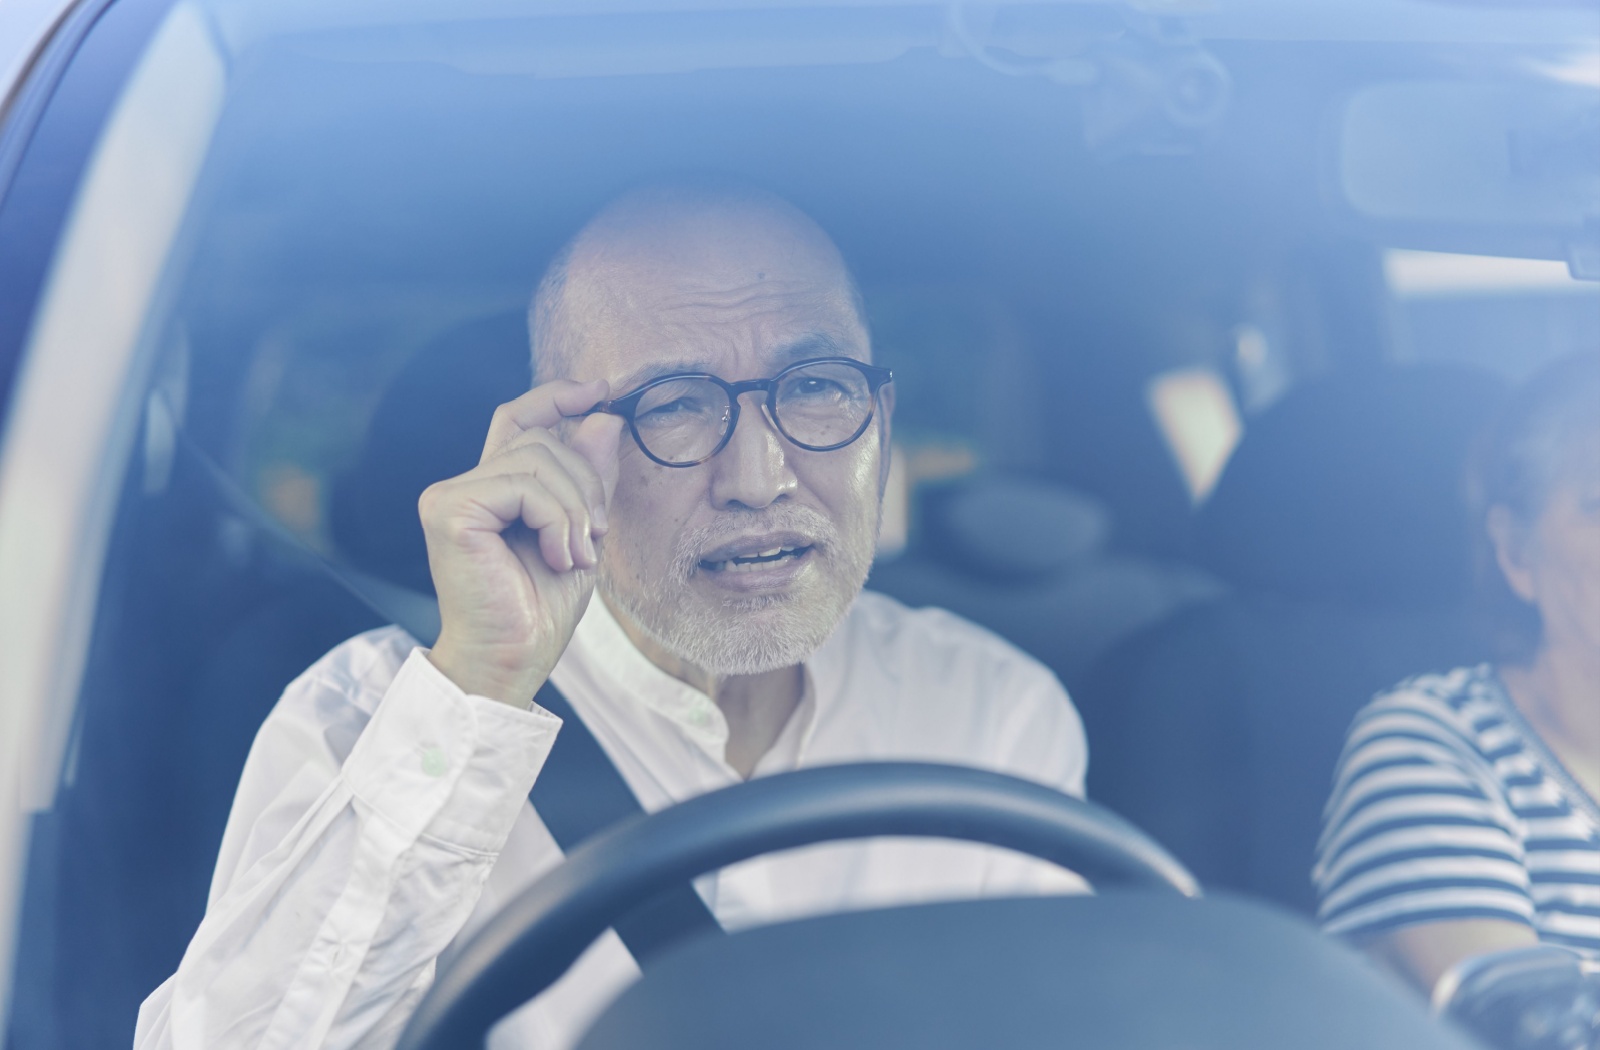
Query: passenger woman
{"points": [[1463, 818]]}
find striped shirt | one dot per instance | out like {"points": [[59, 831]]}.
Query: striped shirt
{"points": [[1447, 805]]}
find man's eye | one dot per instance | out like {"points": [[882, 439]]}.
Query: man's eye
{"points": [[666, 411], [677, 412], [812, 387]]}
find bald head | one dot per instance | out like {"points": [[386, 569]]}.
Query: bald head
{"points": [[655, 262]]}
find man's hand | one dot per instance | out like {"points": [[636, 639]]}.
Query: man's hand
{"points": [[512, 542]]}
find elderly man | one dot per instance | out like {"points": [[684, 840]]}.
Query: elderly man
{"points": [[707, 447]]}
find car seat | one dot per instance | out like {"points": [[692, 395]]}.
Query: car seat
{"points": [[1028, 559], [428, 426], [1339, 527]]}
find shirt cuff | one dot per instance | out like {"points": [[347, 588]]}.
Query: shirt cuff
{"points": [[437, 761]]}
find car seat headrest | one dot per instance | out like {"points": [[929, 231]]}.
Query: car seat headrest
{"points": [[1350, 490], [1012, 527], [429, 425]]}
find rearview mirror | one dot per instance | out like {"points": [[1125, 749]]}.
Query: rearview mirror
{"points": [[1517, 160]]}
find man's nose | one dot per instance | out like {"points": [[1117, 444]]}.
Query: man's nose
{"points": [[752, 470]]}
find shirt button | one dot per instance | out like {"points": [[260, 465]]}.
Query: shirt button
{"points": [[433, 763]]}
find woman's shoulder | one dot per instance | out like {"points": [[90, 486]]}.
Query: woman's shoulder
{"points": [[1449, 709]]}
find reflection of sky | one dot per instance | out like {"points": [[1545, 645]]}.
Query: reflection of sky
{"points": [[81, 355], [1507, 315], [1414, 274], [1195, 412]]}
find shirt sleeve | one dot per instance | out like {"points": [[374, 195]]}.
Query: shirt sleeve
{"points": [[354, 854], [1417, 829]]}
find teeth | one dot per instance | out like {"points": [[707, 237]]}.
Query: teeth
{"points": [[751, 562]]}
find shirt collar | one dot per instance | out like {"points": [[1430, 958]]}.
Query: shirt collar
{"points": [[630, 678]]}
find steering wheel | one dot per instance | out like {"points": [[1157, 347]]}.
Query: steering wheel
{"points": [[532, 941]]}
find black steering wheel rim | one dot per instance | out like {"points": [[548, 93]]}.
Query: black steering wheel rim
{"points": [[535, 938]]}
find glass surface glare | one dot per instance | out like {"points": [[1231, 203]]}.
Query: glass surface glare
{"points": [[819, 405], [318, 241]]}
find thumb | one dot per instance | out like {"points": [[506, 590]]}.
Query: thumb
{"points": [[597, 440]]}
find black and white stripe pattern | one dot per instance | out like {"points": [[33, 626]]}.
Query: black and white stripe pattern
{"points": [[1446, 805]]}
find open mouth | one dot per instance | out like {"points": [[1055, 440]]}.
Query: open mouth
{"points": [[755, 560]]}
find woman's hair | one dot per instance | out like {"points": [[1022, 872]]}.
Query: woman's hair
{"points": [[1518, 463]]}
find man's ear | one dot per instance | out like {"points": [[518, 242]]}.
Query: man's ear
{"points": [[1511, 541]]}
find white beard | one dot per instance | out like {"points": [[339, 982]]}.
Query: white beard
{"points": [[746, 636]]}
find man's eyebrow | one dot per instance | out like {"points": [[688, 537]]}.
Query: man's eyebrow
{"points": [[816, 344], [640, 376]]}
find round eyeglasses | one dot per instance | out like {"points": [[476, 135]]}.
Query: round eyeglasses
{"points": [[683, 420]]}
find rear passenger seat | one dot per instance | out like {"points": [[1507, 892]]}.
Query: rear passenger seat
{"points": [[1029, 560], [1340, 529]]}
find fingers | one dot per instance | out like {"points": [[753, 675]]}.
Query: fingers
{"points": [[529, 484], [472, 507], [566, 488], [578, 467], [596, 440], [542, 407], [571, 540]]}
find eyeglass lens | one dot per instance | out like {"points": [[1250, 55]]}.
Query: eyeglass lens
{"points": [[822, 406]]}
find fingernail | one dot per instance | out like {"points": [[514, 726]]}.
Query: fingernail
{"points": [[599, 516]]}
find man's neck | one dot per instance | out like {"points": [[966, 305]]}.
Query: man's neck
{"points": [[756, 706]]}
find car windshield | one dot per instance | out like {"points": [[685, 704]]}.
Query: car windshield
{"points": [[1193, 313]]}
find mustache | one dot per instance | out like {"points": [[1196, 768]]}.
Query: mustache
{"points": [[692, 544]]}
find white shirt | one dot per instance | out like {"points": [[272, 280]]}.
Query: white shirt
{"points": [[383, 816]]}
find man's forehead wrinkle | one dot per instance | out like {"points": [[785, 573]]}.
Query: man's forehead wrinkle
{"points": [[645, 373], [634, 286], [774, 329], [755, 304], [814, 344], [622, 297], [710, 279]]}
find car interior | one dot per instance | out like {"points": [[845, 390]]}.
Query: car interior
{"points": [[1170, 417]]}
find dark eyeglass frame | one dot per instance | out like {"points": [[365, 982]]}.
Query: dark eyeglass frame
{"points": [[628, 404]]}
